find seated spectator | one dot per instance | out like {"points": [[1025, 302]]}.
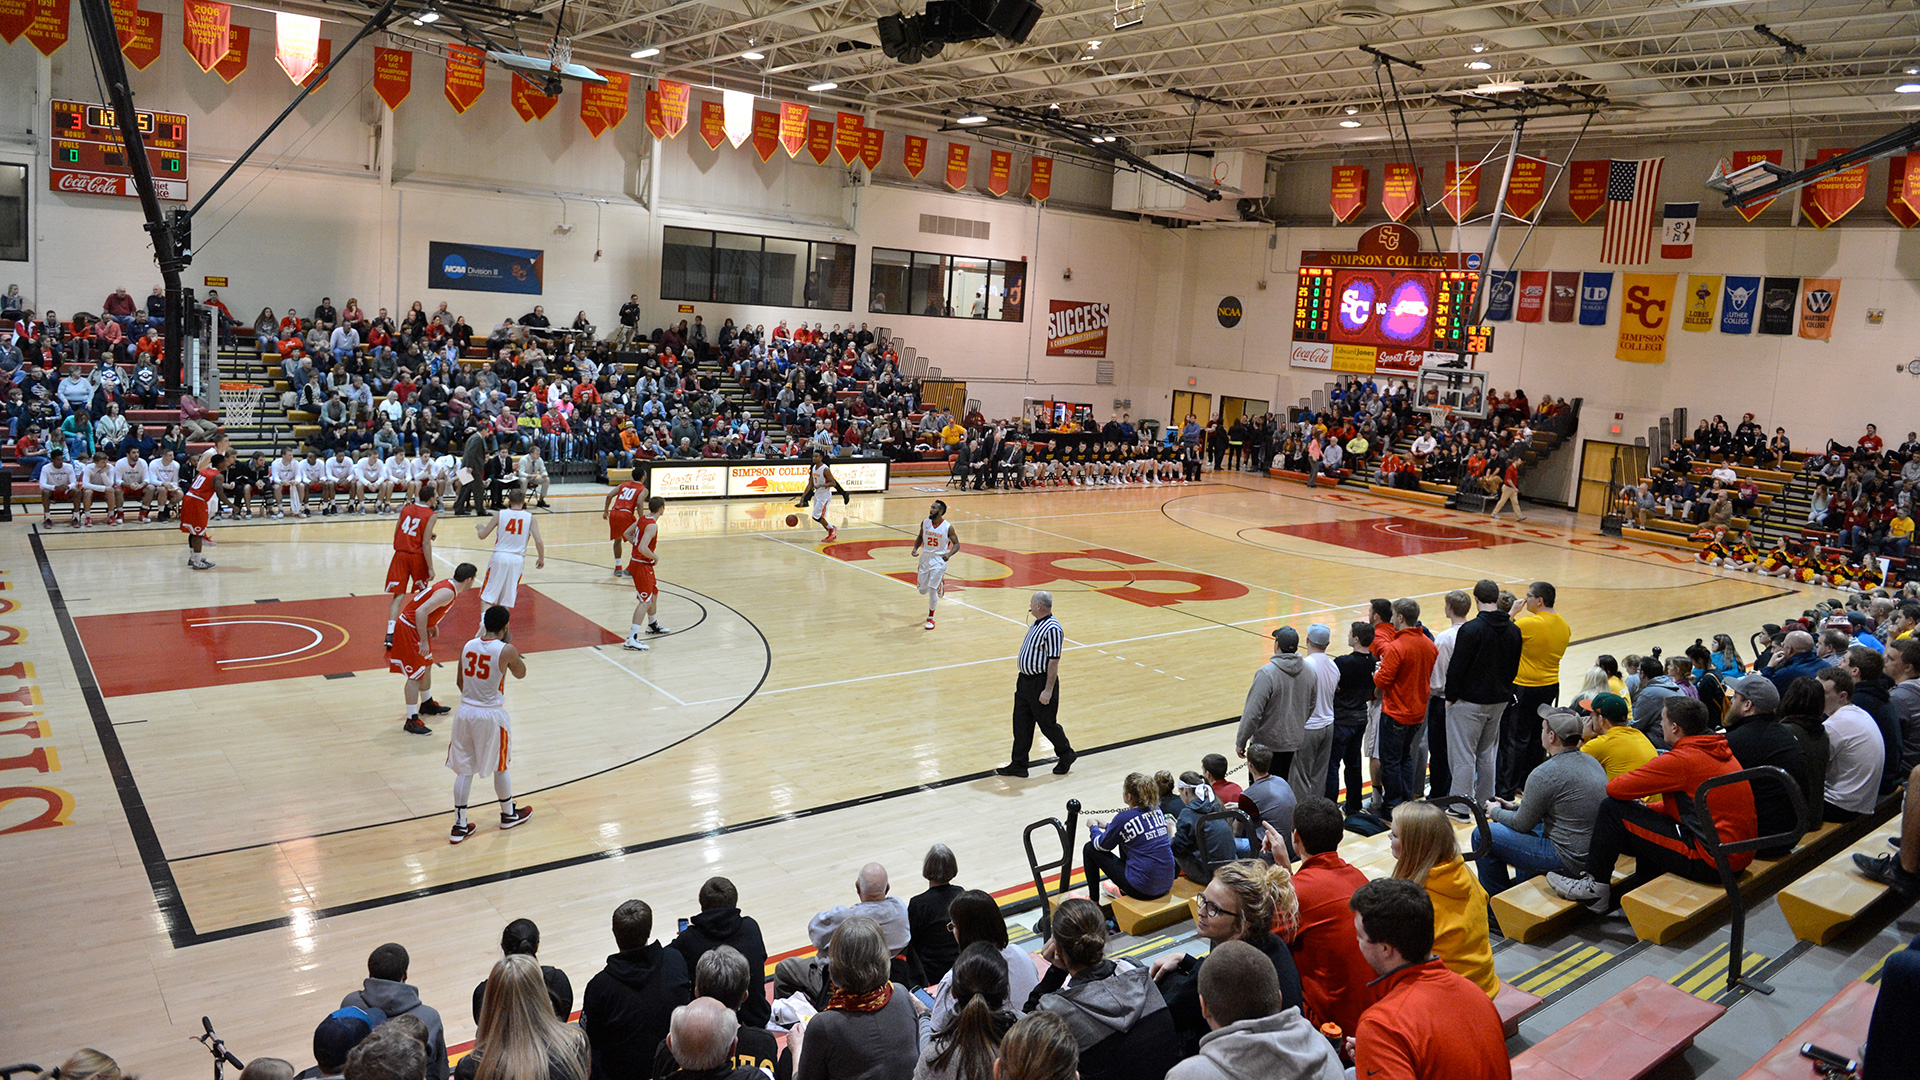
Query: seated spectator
{"points": [[392, 1052], [701, 1044], [627, 1007], [1902, 667], [1429, 1023], [335, 1038], [1199, 846], [870, 888], [720, 923], [965, 1046], [1789, 660], [1551, 827], [518, 1035], [932, 945], [1268, 797], [1038, 1047], [723, 976], [1757, 738], [1872, 692], [1426, 851], [386, 989], [975, 917], [871, 1029], [1119, 1021], [1335, 981], [1657, 687], [86, 1065], [1245, 901], [522, 938], [267, 1068], [1250, 1035], [1657, 837], [1134, 850], [1859, 753], [1803, 712], [1214, 766]]}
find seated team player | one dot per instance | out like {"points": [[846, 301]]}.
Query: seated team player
{"points": [[59, 482], [369, 478], [314, 483], [411, 653], [339, 465], [644, 536], [284, 487], [242, 481], [400, 469], [443, 472], [130, 476], [96, 484], [163, 484]]}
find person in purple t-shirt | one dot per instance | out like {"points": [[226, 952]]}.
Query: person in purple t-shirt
{"points": [[1134, 850]]}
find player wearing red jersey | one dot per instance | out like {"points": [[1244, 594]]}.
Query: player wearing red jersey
{"points": [[644, 535], [412, 562], [411, 653], [622, 506], [197, 507]]}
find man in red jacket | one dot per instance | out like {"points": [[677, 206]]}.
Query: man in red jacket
{"points": [[1405, 677], [1659, 841], [1429, 1024], [1335, 978]]}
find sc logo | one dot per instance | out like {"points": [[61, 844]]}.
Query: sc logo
{"points": [[1641, 305]]}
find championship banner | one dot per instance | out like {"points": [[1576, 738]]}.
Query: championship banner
{"points": [[650, 109], [392, 75], [1903, 189], [48, 28], [957, 154], [1819, 299], [322, 57], [675, 100], [1739, 299], [528, 101], [206, 31], [1532, 303], [239, 39], [999, 173], [124, 14], [1501, 285], [766, 134], [1596, 290], [915, 157], [1075, 327], [1702, 291], [1676, 230], [15, 16], [846, 136], [713, 124], [603, 107], [144, 47], [1461, 190], [1646, 309], [793, 128], [1741, 160], [1527, 188], [1400, 190], [1349, 196], [819, 140], [1040, 182], [1586, 189], [1778, 297], [873, 143], [1563, 296], [466, 77], [1833, 197], [296, 45], [738, 107]]}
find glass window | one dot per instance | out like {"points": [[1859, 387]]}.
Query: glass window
{"points": [[13, 213], [948, 286], [790, 281], [831, 281], [734, 268], [686, 264], [737, 269], [928, 295], [887, 284], [967, 288]]}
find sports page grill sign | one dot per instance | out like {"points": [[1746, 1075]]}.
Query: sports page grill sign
{"points": [[1076, 328]]}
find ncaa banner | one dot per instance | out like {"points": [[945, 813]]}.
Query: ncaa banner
{"points": [[1778, 297], [1349, 196], [1501, 285], [1462, 189], [1533, 295], [479, 268], [1076, 328], [1702, 289], [1596, 290], [1819, 297], [1563, 296], [1400, 190], [1527, 187], [1646, 310], [1676, 230], [1738, 301]]}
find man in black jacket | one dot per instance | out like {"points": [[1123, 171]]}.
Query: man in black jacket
{"points": [[629, 1005], [1757, 738], [473, 458], [1351, 696], [1872, 691], [1479, 684], [721, 923]]}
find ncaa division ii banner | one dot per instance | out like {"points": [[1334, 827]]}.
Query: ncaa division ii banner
{"points": [[478, 268]]}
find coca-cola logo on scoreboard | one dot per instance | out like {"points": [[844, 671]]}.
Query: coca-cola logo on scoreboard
{"points": [[1312, 355], [88, 183]]}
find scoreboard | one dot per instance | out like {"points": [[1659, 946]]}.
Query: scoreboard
{"points": [[90, 159], [1392, 309]]}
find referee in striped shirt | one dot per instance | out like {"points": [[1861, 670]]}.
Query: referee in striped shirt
{"points": [[1036, 696]]}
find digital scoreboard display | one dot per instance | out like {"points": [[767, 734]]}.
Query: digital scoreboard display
{"points": [[1393, 309], [89, 157], [1312, 303]]}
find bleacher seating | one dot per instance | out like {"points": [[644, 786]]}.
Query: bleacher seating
{"points": [[1624, 1038], [1822, 904], [1531, 910], [1669, 905], [1840, 1026]]}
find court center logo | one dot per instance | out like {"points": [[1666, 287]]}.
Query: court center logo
{"points": [[1131, 581]]}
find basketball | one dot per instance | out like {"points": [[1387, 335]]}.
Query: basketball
{"points": [[793, 520]]}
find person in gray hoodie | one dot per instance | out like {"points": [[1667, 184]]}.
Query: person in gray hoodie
{"points": [[386, 989], [1656, 689], [1251, 1036], [1115, 1012], [1279, 703]]}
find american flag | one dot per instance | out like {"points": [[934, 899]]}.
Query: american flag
{"points": [[1633, 189]]}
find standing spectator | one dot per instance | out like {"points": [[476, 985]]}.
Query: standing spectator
{"points": [[1426, 851], [1552, 828], [1439, 769], [1118, 1019], [1278, 703], [629, 1005], [1478, 688], [1312, 761], [1405, 678], [721, 923], [1352, 698], [518, 1034], [870, 1028], [1335, 980], [1429, 1023], [386, 989], [1757, 738], [1251, 1035], [932, 944], [1543, 641], [1859, 753]]}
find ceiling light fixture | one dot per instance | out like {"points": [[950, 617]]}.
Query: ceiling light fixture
{"points": [[972, 118], [1913, 69], [822, 87], [1479, 65], [1349, 123], [1353, 110], [642, 54], [427, 17], [1477, 45], [751, 55], [1907, 88], [1094, 44]]}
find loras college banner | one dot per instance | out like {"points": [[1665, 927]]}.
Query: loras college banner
{"points": [[1076, 328]]}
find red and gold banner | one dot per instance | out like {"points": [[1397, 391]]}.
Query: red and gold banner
{"points": [[652, 109], [1741, 160], [239, 39], [322, 56], [1349, 195], [603, 107], [15, 17], [676, 100], [1527, 188], [999, 172], [915, 155], [392, 75], [1530, 300], [206, 31], [1834, 196], [1903, 189], [766, 134], [793, 128], [819, 140], [48, 28], [125, 12], [713, 124], [144, 47], [1586, 188], [296, 44], [528, 101], [1400, 190], [1461, 194], [957, 155], [466, 77], [873, 143], [846, 136], [1040, 181]]}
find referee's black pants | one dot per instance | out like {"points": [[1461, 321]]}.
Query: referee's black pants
{"points": [[1028, 711]]}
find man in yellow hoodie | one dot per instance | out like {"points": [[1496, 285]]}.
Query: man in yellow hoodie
{"points": [[1543, 641]]}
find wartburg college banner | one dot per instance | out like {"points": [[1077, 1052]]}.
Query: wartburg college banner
{"points": [[846, 136], [1646, 310], [392, 75], [1349, 197], [1833, 197], [1527, 188], [206, 31], [603, 107], [1586, 189], [529, 102], [1400, 190], [1040, 182], [1819, 297], [1462, 190], [957, 154], [915, 158], [766, 134], [466, 77], [1741, 160], [999, 173], [675, 99], [793, 128], [1903, 189]]}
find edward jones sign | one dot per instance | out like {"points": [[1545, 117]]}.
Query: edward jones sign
{"points": [[1076, 328]]}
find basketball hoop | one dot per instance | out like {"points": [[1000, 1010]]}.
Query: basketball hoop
{"points": [[240, 404]]}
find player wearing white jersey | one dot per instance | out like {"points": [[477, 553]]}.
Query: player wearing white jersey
{"points": [[96, 485], [936, 543], [482, 730], [339, 479], [370, 478], [402, 474], [821, 484], [440, 472], [285, 487], [59, 482], [163, 483], [517, 526], [315, 481], [130, 476]]}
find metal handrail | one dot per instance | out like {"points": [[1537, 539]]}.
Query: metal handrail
{"points": [[1699, 819], [1065, 831]]}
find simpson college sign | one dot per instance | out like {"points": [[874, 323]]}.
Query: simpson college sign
{"points": [[1076, 328]]}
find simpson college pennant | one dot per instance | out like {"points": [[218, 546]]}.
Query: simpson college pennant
{"points": [[1739, 299], [466, 77], [1702, 291], [1819, 298], [1903, 189], [239, 39], [1400, 190], [713, 124], [1596, 291], [1833, 196], [1563, 296], [1348, 198], [392, 75], [915, 156], [793, 128], [1778, 297], [1040, 181], [1533, 296], [603, 107], [1527, 187], [873, 144], [957, 157], [846, 136], [1741, 160], [1646, 310], [999, 173], [819, 140], [766, 134], [528, 102], [1586, 189], [206, 29], [675, 100]]}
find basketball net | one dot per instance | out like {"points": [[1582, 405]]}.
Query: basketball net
{"points": [[240, 403]]}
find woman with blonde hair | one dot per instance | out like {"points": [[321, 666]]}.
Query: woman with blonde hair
{"points": [[1427, 852], [86, 1065], [1251, 901], [1039, 1047], [519, 1037], [1134, 850]]}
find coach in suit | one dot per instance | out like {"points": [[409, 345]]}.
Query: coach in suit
{"points": [[1036, 694], [473, 458]]}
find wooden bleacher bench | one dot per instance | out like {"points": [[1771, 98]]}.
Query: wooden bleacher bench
{"points": [[1823, 903], [1625, 1038], [1840, 1026], [1670, 905], [1514, 1005], [1141, 917], [1437, 488], [1427, 498], [1662, 539], [1531, 910]]}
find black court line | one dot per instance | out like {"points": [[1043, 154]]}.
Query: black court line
{"points": [[1677, 618]]}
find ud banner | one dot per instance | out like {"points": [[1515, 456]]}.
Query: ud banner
{"points": [[1702, 289], [1501, 285], [1646, 310], [1738, 301], [478, 268], [1596, 289], [1818, 299], [1778, 296]]}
